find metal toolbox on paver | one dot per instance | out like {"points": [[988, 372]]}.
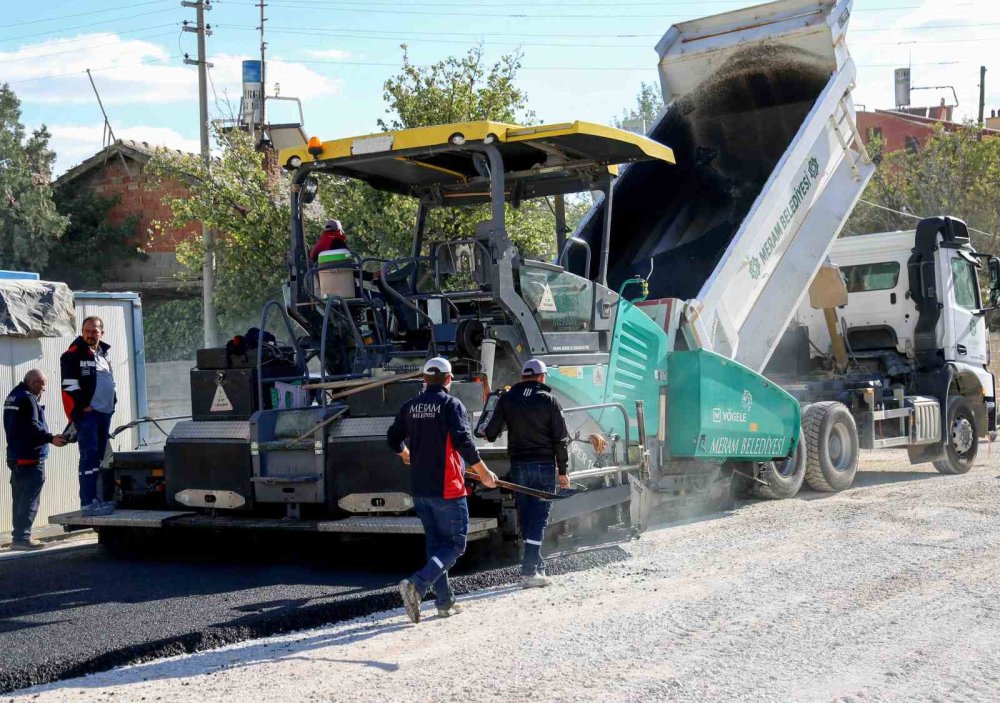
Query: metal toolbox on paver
{"points": [[208, 465]]}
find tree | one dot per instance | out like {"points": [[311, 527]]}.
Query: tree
{"points": [[29, 223], [457, 89], [91, 245], [247, 205], [953, 173], [648, 106]]}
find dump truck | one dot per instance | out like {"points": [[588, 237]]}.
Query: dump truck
{"points": [[656, 319], [890, 349]]}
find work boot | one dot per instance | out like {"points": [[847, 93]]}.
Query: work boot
{"points": [[97, 508], [26, 545], [535, 581], [449, 610], [411, 599]]}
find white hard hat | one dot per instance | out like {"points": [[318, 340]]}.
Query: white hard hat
{"points": [[533, 367], [437, 365]]}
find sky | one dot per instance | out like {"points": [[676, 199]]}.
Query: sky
{"points": [[582, 60]]}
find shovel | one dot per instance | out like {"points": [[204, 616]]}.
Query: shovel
{"points": [[533, 492]]}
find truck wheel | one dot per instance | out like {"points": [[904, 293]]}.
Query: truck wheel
{"points": [[784, 478], [832, 447], [961, 438]]}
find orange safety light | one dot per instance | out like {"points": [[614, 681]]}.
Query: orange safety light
{"points": [[315, 146]]}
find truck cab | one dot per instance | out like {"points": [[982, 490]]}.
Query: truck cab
{"points": [[881, 316], [914, 354]]}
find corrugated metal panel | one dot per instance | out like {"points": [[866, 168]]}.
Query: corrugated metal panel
{"points": [[17, 356]]}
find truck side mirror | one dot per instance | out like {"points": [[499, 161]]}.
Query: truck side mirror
{"points": [[994, 269]]}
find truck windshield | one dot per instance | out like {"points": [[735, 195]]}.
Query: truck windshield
{"points": [[864, 278], [964, 279]]}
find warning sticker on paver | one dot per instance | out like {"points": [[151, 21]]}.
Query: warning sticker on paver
{"points": [[220, 403], [598, 375], [548, 301]]}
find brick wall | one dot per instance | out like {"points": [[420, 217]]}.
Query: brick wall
{"points": [[136, 197]]}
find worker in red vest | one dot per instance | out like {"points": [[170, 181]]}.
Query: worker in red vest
{"points": [[333, 237]]}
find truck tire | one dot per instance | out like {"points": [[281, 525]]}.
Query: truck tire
{"points": [[784, 478], [961, 440], [832, 446]]}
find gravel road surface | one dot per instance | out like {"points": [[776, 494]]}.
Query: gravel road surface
{"points": [[886, 592]]}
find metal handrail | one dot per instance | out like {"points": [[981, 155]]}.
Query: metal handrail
{"points": [[567, 247], [606, 470], [599, 406], [359, 342], [299, 357]]}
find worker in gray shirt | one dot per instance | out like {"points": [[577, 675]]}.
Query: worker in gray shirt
{"points": [[88, 392]]}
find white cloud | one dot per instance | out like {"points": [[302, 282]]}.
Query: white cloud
{"points": [[135, 71], [75, 143], [945, 56], [334, 54]]}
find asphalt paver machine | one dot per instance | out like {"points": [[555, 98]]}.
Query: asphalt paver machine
{"points": [[350, 360]]}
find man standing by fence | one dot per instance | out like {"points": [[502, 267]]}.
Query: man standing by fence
{"points": [[88, 391], [28, 440]]}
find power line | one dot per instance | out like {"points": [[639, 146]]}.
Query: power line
{"points": [[355, 34], [148, 62], [89, 47], [366, 9], [92, 24], [916, 217], [130, 6], [491, 33], [339, 4], [321, 33]]}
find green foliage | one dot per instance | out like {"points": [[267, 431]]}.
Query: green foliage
{"points": [[457, 89], [29, 223], [172, 330], [648, 106], [91, 245], [246, 206], [954, 173]]}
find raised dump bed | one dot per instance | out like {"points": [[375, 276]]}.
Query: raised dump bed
{"points": [[761, 120]]}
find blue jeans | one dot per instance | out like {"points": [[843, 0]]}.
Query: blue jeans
{"points": [[532, 513], [446, 526], [26, 490], [92, 434]]}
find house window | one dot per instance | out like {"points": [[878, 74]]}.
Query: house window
{"points": [[912, 144]]}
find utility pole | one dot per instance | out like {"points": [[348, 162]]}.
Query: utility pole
{"points": [[208, 235], [982, 96], [263, 70]]}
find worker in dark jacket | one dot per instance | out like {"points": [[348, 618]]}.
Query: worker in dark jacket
{"points": [[28, 440], [89, 399], [435, 427], [537, 442]]}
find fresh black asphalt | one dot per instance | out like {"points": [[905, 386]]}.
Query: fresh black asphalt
{"points": [[81, 610]]}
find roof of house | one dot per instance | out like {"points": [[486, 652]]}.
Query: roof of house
{"points": [[127, 148], [928, 121]]}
